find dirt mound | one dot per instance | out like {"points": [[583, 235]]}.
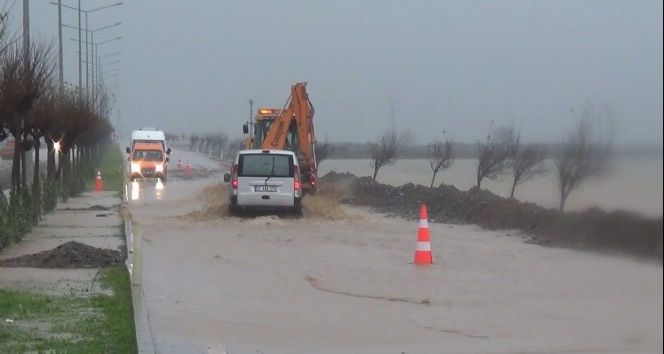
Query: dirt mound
{"points": [[615, 232], [69, 255]]}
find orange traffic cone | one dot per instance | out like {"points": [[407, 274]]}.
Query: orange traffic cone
{"points": [[179, 162], [423, 248], [98, 184], [187, 169]]}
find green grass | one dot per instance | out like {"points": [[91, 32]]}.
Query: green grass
{"points": [[110, 167], [70, 324]]}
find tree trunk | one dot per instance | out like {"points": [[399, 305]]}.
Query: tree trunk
{"points": [[16, 164], [433, 178], [35, 172], [50, 159], [66, 172], [375, 172], [70, 164], [513, 188], [24, 169], [563, 198]]}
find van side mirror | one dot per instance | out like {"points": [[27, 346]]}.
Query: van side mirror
{"points": [[245, 128], [227, 177], [128, 150]]}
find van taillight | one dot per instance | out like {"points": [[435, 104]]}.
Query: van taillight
{"points": [[296, 178], [234, 177]]}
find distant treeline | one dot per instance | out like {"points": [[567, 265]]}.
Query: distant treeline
{"points": [[470, 151]]}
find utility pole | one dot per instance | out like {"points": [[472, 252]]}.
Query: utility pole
{"points": [[392, 121], [80, 59], [26, 65], [251, 111], [87, 60], [250, 123], [26, 31], [60, 63]]}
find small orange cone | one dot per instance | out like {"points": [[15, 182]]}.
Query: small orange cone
{"points": [[423, 248], [179, 162], [98, 184], [187, 169]]}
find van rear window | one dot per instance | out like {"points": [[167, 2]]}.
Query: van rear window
{"points": [[263, 165]]}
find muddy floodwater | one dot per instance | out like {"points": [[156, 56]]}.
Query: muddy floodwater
{"points": [[342, 280]]}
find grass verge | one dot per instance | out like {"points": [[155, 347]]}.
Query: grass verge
{"points": [[110, 167], [32, 322], [35, 323]]}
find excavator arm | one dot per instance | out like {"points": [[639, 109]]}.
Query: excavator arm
{"points": [[299, 112]]}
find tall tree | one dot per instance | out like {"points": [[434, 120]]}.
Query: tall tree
{"points": [[582, 156], [384, 152], [495, 154], [527, 162], [441, 156]]}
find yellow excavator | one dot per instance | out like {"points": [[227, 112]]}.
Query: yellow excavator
{"points": [[290, 128]]}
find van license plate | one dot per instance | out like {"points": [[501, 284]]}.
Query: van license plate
{"points": [[265, 188]]}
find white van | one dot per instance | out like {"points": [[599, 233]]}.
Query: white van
{"points": [[265, 179]]}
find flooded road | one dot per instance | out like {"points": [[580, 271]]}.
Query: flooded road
{"points": [[341, 280]]}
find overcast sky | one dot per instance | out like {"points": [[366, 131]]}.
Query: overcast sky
{"points": [[444, 66]]}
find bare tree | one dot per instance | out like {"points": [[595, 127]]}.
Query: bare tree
{"points": [[384, 151], [527, 163], [4, 14], [441, 156], [22, 81], [495, 155], [582, 156]]}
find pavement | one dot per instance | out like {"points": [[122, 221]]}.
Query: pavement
{"points": [[95, 219]]}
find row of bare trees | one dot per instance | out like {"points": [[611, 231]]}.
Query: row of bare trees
{"points": [[34, 107], [582, 155], [210, 143], [503, 153]]}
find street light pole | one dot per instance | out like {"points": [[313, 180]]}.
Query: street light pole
{"points": [[60, 60], [251, 111], [95, 49], [96, 71], [80, 62], [87, 58], [92, 42], [80, 52], [26, 32]]}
